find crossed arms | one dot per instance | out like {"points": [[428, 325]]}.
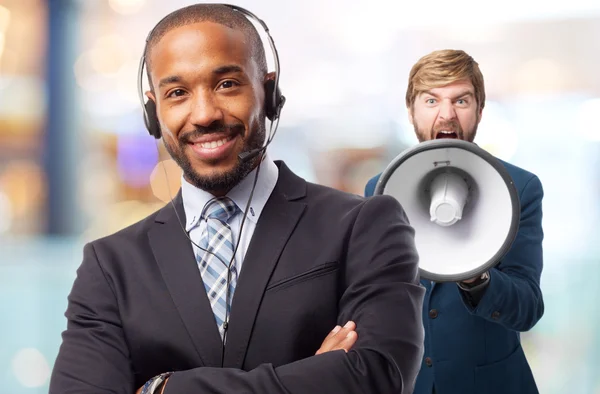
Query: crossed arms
{"points": [[382, 296]]}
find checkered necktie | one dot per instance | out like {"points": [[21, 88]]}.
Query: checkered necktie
{"points": [[218, 240]]}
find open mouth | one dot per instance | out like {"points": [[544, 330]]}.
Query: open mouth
{"points": [[446, 134]]}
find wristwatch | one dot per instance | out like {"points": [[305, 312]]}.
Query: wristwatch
{"points": [[482, 279], [154, 385]]}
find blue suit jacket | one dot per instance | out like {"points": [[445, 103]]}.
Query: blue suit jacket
{"points": [[478, 350]]}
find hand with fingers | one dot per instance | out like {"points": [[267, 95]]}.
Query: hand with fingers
{"points": [[340, 338]]}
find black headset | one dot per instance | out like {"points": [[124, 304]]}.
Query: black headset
{"points": [[274, 100]]}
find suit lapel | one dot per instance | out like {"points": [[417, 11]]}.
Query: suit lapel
{"points": [[274, 228], [175, 257]]}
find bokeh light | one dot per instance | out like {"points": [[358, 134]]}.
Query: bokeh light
{"points": [[165, 180], [31, 368], [126, 7]]}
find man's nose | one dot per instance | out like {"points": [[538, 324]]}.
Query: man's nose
{"points": [[205, 110], [447, 111]]}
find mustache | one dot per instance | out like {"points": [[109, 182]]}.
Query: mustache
{"points": [[216, 128], [449, 125]]}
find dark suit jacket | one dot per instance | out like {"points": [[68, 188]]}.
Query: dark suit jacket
{"points": [[478, 350], [318, 257]]}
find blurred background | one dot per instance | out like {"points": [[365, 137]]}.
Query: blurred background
{"points": [[76, 162]]}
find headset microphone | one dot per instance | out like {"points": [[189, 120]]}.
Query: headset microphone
{"points": [[247, 156], [251, 154]]}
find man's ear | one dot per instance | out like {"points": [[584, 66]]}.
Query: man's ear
{"points": [[269, 76], [151, 96], [269, 83], [410, 115], [480, 114]]}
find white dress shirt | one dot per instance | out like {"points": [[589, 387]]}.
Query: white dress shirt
{"points": [[195, 199]]}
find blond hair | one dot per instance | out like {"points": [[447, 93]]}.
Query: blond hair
{"points": [[441, 68]]}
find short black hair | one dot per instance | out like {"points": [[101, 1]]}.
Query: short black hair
{"points": [[216, 13]]}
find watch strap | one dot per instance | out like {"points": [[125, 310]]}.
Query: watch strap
{"points": [[154, 385]]}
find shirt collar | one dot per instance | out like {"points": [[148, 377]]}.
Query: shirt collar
{"points": [[194, 199]]}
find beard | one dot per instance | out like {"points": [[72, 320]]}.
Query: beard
{"points": [[224, 181]]}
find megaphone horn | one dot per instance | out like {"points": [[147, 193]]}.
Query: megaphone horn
{"points": [[462, 203]]}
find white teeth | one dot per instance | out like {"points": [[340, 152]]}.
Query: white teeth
{"points": [[214, 144], [446, 132]]}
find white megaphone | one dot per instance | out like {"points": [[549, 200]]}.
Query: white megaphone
{"points": [[462, 203]]}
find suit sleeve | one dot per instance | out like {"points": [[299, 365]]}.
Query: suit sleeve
{"points": [[93, 357], [513, 297], [382, 295]]}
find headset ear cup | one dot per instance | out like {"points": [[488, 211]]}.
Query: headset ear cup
{"points": [[272, 111], [152, 120]]}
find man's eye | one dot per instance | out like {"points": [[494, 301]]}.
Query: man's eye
{"points": [[228, 84], [177, 93]]}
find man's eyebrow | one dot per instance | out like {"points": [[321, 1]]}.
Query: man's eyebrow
{"points": [[169, 80], [230, 68], [461, 94], [465, 94]]}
